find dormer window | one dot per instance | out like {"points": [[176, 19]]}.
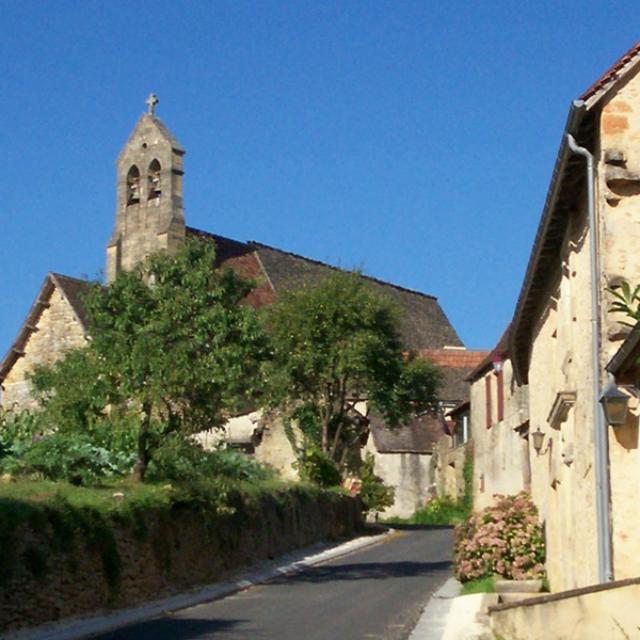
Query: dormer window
{"points": [[133, 185], [155, 187]]}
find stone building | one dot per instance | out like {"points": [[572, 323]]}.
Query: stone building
{"points": [[404, 457], [499, 428], [584, 472], [149, 217]]}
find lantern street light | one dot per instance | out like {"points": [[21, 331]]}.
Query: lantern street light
{"points": [[614, 404], [538, 439]]}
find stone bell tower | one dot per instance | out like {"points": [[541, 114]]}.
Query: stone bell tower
{"points": [[149, 212]]}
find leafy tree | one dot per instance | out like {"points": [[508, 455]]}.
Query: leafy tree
{"points": [[334, 345], [171, 342]]}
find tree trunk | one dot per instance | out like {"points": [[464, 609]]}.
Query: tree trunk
{"points": [[144, 456]]}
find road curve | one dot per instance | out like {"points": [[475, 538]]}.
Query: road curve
{"points": [[373, 594]]}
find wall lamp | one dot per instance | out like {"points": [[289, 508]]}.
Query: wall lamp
{"points": [[615, 404], [538, 439]]}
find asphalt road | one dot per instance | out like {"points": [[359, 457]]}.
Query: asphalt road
{"points": [[373, 594]]}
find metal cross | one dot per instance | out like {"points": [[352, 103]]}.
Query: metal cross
{"points": [[152, 101]]}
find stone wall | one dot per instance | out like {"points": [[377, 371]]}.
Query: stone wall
{"points": [[166, 553], [407, 473], [593, 613], [447, 468]]}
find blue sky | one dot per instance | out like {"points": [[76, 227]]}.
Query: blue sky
{"points": [[412, 139]]}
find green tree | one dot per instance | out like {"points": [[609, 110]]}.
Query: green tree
{"points": [[170, 341], [336, 344]]}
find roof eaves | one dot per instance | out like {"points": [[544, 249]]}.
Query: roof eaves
{"points": [[621, 357], [28, 327], [259, 245], [552, 218]]}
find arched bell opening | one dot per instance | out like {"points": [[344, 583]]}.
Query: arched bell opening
{"points": [[154, 180], [133, 185]]}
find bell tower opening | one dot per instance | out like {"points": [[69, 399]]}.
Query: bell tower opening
{"points": [[133, 185], [154, 176], [149, 209]]}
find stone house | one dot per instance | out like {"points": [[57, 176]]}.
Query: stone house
{"points": [[585, 472], [499, 428], [403, 457], [149, 217]]}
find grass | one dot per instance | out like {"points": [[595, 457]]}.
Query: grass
{"points": [[43, 492], [479, 585], [440, 511]]}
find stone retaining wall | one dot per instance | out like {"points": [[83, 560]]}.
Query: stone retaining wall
{"points": [[168, 552]]}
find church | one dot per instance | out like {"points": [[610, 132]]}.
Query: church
{"points": [[150, 217]]}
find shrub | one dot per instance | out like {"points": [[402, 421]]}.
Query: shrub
{"points": [[504, 539], [317, 467], [375, 494], [443, 510], [68, 456], [180, 459]]}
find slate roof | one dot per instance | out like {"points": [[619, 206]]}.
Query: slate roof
{"points": [[423, 324], [419, 436], [71, 288]]}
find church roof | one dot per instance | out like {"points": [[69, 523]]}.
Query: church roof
{"points": [[71, 289], [423, 323]]}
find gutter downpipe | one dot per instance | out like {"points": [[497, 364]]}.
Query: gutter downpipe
{"points": [[600, 435]]}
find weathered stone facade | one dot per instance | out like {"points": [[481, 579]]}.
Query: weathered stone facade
{"points": [[499, 429], [149, 209], [53, 327], [552, 337]]}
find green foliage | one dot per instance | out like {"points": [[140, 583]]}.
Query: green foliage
{"points": [[504, 539], [18, 431], [180, 460], [67, 518], [626, 301], [317, 467], [375, 494], [333, 344], [485, 584], [72, 457], [440, 511], [170, 344]]}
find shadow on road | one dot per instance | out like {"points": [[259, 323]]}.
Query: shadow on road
{"points": [[365, 571], [420, 527], [170, 628]]}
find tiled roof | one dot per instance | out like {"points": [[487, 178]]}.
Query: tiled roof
{"points": [[501, 350], [612, 73], [455, 366], [454, 357]]}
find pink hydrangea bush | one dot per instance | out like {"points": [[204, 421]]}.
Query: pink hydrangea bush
{"points": [[504, 539]]}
